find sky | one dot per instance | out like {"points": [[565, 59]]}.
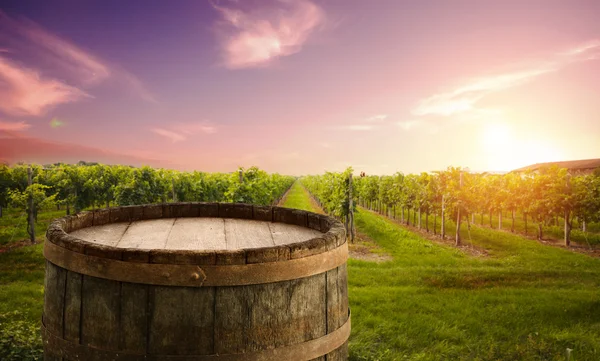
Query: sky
{"points": [[300, 86]]}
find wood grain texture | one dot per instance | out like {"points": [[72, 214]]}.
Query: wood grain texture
{"points": [[108, 234], [243, 233], [54, 298], [72, 308], [54, 294], [134, 318], [100, 312], [181, 320], [197, 234], [337, 307], [251, 318], [149, 234], [287, 233]]}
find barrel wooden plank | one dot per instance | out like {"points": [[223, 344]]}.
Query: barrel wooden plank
{"points": [[181, 320], [337, 308], [243, 234], [72, 317], [108, 234], [197, 234], [54, 291], [148, 234], [100, 312], [134, 318], [309, 307], [251, 318], [286, 233]]}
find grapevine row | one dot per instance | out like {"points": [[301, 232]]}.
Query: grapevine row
{"points": [[542, 197]]}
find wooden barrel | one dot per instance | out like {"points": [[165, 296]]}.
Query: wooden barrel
{"points": [[196, 282]]}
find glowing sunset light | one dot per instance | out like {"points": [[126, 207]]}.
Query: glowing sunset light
{"points": [[497, 136], [301, 87]]}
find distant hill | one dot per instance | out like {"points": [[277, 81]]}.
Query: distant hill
{"points": [[574, 166]]}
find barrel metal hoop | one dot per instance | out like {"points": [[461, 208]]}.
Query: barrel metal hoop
{"points": [[195, 275], [304, 351]]}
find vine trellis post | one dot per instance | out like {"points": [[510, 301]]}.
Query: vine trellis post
{"points": [[350, 215], [30, 205]]}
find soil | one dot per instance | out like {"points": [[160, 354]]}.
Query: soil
{"points": [[574, 247], [15, 245], [365, 249]]}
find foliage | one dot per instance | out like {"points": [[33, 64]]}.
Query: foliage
{"points": [[548, 194], [331, 190], [20, 340], [92, 185]]}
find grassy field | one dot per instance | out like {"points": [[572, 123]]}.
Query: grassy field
{"points": [[21, 300], [13, 225], [298, 197], [523, 301], [551, 232]]}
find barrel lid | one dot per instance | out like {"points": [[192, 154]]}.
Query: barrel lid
{"points": [[198, 233]]}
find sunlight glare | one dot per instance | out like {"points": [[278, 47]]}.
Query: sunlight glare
{"points": [[496, 135]]}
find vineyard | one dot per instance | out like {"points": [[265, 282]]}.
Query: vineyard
{"points": [[549, 201], [74, 188], [513, 299]]}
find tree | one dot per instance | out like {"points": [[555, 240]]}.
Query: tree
{"points": [[33, 196], [545, 196], [145, 186], [5, 186]]}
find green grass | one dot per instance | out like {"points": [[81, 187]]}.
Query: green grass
{"points": [[22, 286], [553, 232], [299, 198], [525, 301], [21, 302], [13, 225]]}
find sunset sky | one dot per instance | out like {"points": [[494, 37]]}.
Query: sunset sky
{"points": [[301, 87]]}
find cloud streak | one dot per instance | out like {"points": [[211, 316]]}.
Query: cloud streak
{"points": [[87, 67], [256, 38], [182, 131], [14, 126], [358, 127], [464, 98], [25, 90], [377, 118]]}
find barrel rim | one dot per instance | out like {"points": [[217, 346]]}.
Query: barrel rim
{"points": [[334, 234]]}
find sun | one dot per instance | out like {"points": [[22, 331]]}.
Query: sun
{"points": [[498, 145], [505, 151], [496, 135]]}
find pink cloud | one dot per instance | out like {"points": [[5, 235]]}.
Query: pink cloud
{"points": [[87, 67], [172, 136], [14, 126], [255, 38], [25, 92], [358, 127], [464, 99], [28, 149], [194, 128], [79, 67], [181, 131], [377, 118]]}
